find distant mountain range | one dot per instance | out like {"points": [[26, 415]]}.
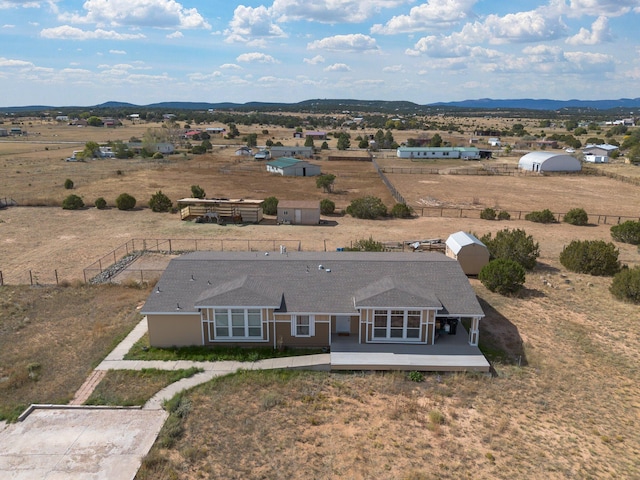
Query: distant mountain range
{"points": [[336, 105]]}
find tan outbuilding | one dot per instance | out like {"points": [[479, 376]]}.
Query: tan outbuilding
{"points": [[470, 252]]}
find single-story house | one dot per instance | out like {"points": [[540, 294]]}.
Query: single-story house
{"points": [[285, 151], [293, 167], [494, 142], [426, 153], [603, 150], [308, 299], [162, 147], [470, 252], [4, 132], [593, 158], [216, 130], [316, 134], [549, 162], [299, 212]]}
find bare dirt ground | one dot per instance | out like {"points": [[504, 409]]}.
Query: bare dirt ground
{"points": [[563, 406]]}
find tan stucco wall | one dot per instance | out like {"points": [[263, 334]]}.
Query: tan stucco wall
{"points": [[321, 338], [174, 330]]}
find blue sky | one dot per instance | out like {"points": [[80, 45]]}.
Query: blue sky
{"points": [[70, 52]]}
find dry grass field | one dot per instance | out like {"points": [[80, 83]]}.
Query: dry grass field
{"points": [[51, 338], [564, 403]]}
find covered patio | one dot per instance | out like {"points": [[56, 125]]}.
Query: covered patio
{"points": [[449, 353]]}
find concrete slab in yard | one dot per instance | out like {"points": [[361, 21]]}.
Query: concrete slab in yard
{"points": [[74, 444]]}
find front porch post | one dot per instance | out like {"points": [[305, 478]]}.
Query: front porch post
{"points": [[474, 331]]}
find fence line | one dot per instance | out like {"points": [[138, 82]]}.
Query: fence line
{"points": [[122, 256], [453, 212], [394, 191]]}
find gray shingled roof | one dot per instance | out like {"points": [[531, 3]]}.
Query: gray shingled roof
{"points": [[295, 282]]}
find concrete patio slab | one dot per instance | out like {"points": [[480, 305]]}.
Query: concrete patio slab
{"points": [[78, 443]]}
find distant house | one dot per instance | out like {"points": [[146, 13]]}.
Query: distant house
{"points": [[549, 162], [494, 142], [216, 130], [602, 150], [593, 158], [106, 152], [316, 135], [426, 153], [164, 148], [293, 167], [470, 252], [372, 301], [299, 212], [16, 131], [286, 151], [4, 132]]}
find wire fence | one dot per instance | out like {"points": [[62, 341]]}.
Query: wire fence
{"points": [[394, 191], [119, 259]]}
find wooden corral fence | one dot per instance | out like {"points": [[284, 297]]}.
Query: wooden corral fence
{"points": [[616, 176], [350, 158], [452, 212]]}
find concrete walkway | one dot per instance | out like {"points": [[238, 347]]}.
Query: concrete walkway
{"points": [[115, 361]]}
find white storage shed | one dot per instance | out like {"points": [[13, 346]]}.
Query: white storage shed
{"points": [[470, 252]]}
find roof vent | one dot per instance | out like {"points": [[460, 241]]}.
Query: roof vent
{"points": [[157, 289], [192, 279], [178, 307], [328, 270], [320, 267]]}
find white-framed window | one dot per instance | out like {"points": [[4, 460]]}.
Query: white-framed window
{"points": [[237, 323], [303, 326], [396, 325]]}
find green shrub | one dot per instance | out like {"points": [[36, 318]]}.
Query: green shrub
{"points": [[504, 215], [100, 203], [401, 210], [159, 202], [125, 202], [594, 257], [577, 216], [368, 207], [416, 376], [488, 214], [627, 232], [366, 245], [327, 207], [158, 156], [270, 206], [626, 285], [72, 202], [68, 184], [197, 191], [503, 276], [543, 216], [513, 245]]}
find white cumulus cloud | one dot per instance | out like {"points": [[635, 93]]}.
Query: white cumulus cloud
{"points": [[137, 13], [67, 32], [248, 23], [429, 15], [338, 67], [600, 33], [331, 11], [355, 42], [315, 60], [256, 57]]}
